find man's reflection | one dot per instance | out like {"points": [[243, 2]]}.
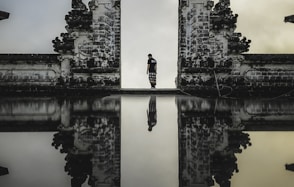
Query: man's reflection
{"points": [[91, 140], [152, 113]]}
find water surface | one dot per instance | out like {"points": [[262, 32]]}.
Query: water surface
{"points": [[146, 141]]}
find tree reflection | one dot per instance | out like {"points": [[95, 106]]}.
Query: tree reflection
{"points": [[209, 140], [90, 136]]}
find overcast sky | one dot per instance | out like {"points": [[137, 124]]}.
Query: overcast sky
{"points": [[148, 26]]}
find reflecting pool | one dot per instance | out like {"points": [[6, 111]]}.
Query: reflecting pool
{"points": [[146, 141]]}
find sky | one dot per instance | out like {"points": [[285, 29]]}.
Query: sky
{"points": [[148, 26]]}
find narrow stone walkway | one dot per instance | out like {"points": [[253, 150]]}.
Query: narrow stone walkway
{"points": [[148, 91]]}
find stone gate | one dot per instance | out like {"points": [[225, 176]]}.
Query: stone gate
{"points": [[210, 54], [90, 50]]}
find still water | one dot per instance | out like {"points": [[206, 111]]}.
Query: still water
{"points": [[146, 141]]}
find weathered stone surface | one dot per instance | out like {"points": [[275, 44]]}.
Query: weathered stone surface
{"points": [[19, 70], [214, 64], [90, 51], [205, 42]]}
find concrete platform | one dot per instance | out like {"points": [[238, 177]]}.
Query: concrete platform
{"points": [[149, 91]]}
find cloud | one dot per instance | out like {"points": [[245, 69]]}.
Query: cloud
{"points": [[263, 22]]}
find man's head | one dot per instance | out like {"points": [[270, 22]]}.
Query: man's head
{"points": [[149, 55]]}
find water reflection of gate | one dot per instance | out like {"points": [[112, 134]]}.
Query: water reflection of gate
{"points": [[211, 133], [91, 141], [208, 142]]}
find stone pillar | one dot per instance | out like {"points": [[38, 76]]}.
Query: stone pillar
{"points": [[209, 48], [65, 67], [106, 41], [93, 45], [194, 36]]}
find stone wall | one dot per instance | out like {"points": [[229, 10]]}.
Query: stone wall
{"points": [[90, 50], [88, 53], [29, 70], [211, 59], [209, 47], [267, 72]]}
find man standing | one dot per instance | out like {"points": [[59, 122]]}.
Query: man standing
{"points": [[151, 69]]}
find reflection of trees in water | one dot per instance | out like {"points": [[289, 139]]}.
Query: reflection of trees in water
{"points": [[209, 140], [92, 144]]}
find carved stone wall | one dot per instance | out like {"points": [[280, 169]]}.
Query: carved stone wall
{"points": [[30, 71], [268, 73], [90, 51], [211, 59], [208, 46]]}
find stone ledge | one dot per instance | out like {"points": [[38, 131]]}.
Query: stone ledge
{"points": [[29, 58], [269, 59], [94, 70], [149, 91]]}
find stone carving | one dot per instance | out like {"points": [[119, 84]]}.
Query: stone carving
{"points": [[222, 17], [78, 4], [269, 78], [28, 72], [78, 20], [93, 41], [27, 76], [207, 44], [65, 45]]}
